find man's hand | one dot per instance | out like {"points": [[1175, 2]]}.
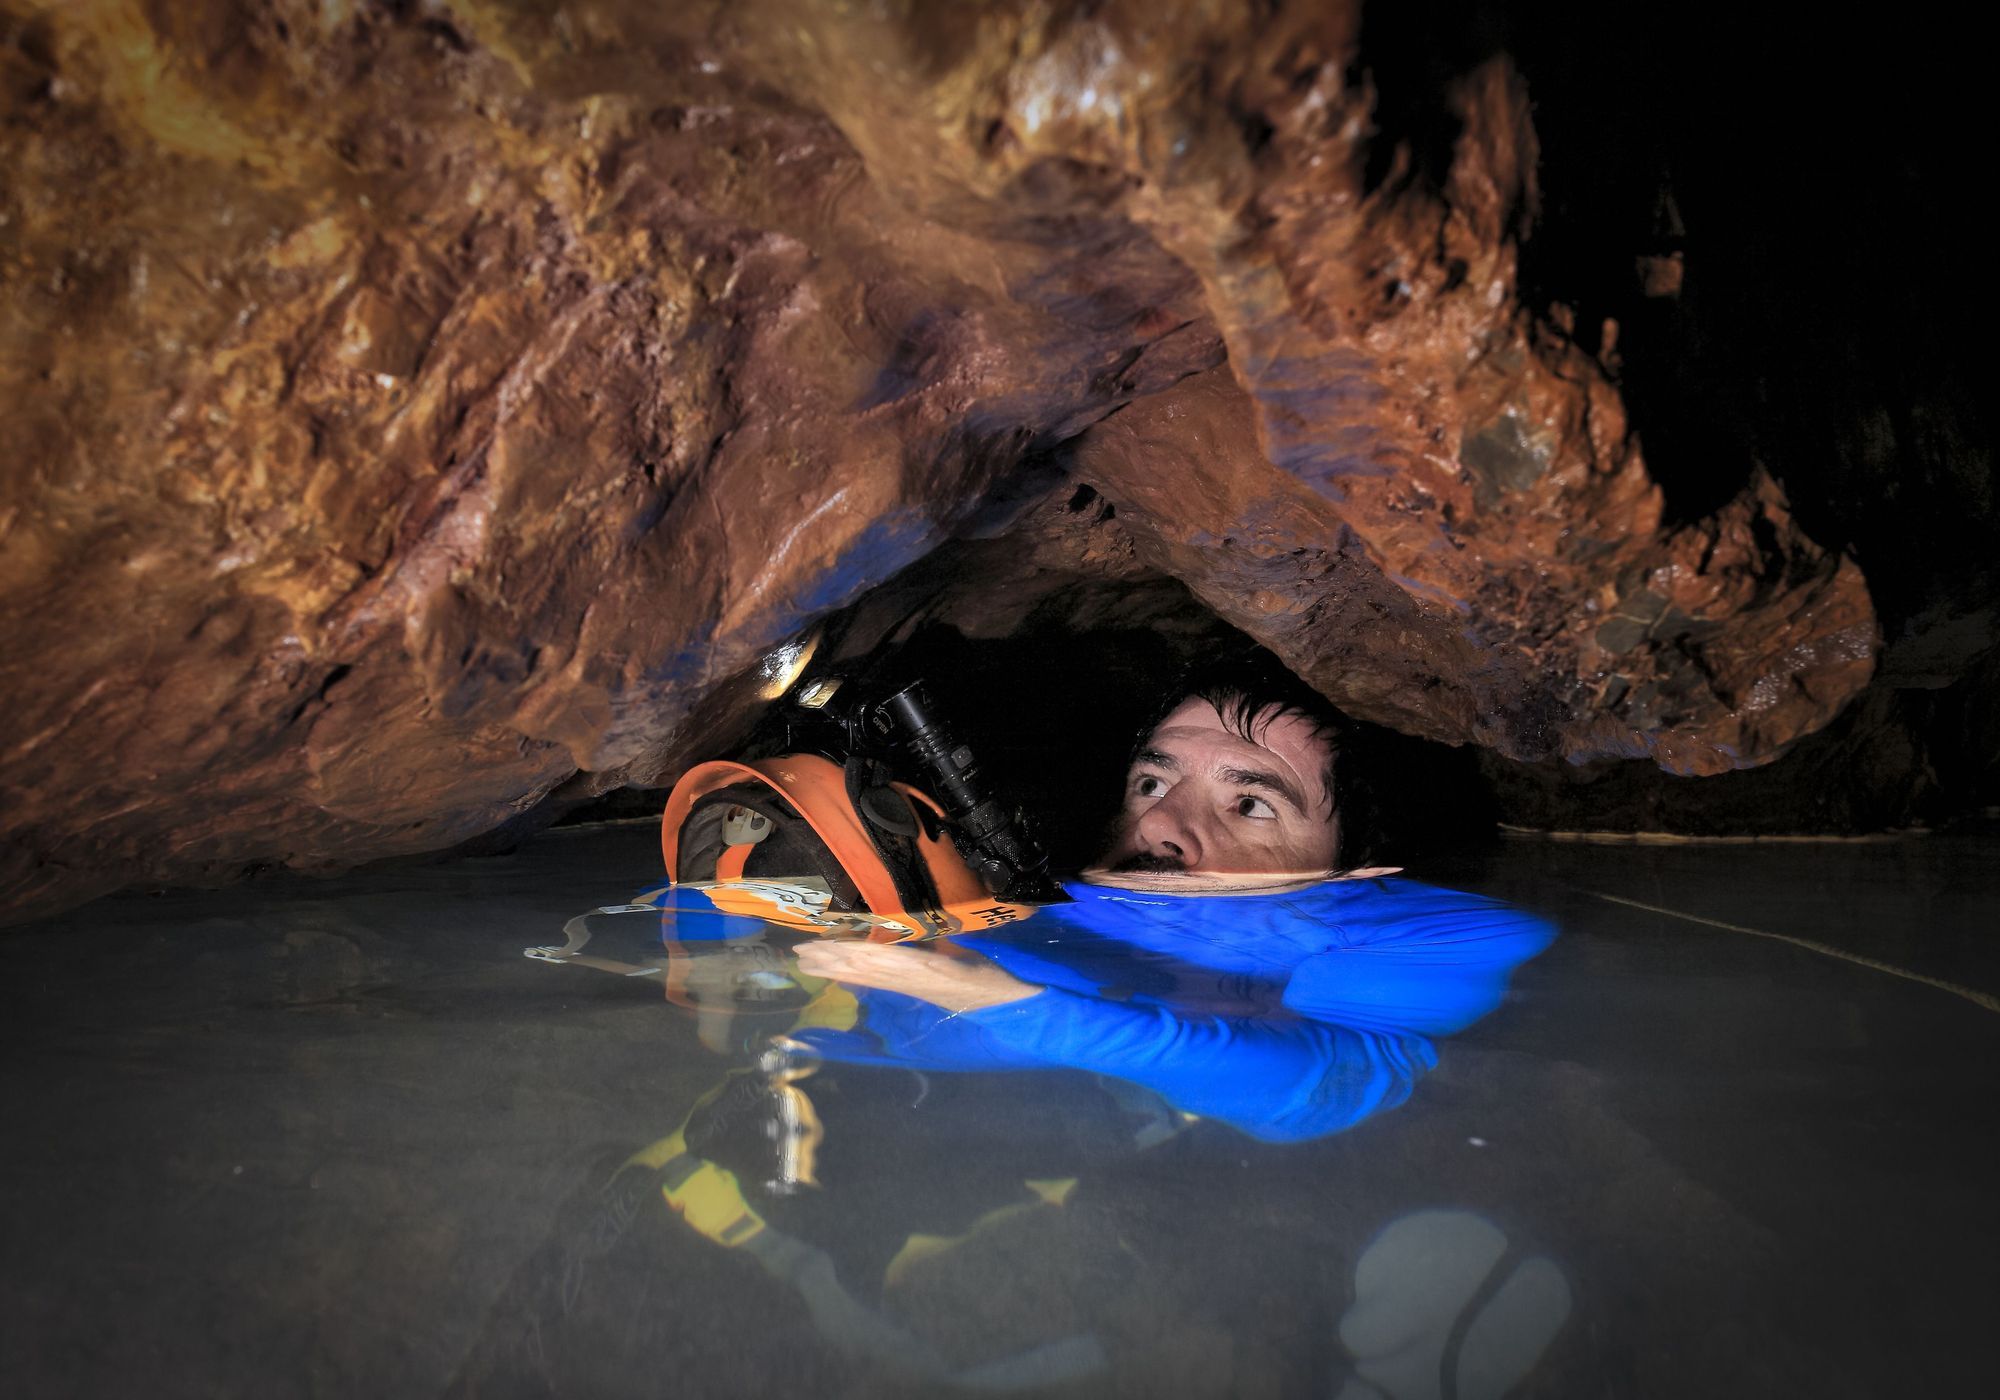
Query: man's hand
{"points": [[956, 984]]}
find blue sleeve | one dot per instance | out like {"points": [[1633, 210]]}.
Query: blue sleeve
{"points": [[1277, 1079], [1427, 960]]}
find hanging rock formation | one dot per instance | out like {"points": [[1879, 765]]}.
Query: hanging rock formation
{"points": [[414, 412]]}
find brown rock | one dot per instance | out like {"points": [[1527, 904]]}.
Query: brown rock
{"points": [[414, 413]]}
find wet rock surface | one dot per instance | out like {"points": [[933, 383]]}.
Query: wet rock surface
{"points": [[421, 418]]}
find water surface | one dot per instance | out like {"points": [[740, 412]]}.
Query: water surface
{"points": [[340, 1137]]}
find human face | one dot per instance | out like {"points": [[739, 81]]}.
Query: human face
{"points": [[1200, 798]]}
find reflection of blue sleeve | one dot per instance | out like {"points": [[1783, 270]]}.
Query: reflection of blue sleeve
{"points": [[690, 916], [1280, 1079]]}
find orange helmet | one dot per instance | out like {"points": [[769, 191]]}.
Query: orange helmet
{"points": [[881, 848]]}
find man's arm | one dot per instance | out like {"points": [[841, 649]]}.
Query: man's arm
{"points": [[1281, 1078], [956, 984]]}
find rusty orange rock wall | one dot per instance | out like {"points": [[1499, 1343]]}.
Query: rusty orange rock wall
{"points": [[414, 411]]}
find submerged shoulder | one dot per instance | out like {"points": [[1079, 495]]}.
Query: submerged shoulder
{"points": [[1401, 911]]}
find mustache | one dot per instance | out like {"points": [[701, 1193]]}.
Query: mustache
{"points": [[1146, 863]]}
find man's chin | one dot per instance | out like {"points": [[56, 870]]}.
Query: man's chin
{"points": [[1154, 877]]}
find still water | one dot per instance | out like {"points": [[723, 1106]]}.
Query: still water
{"points": [[1612, 1121]]}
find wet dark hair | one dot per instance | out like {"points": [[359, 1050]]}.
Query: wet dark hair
{"points": [[1249, 692]]}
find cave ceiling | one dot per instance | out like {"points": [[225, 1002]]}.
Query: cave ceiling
{"points": [[417, 411]]}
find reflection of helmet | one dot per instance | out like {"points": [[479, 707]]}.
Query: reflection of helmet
{"points": [[879, 847]]}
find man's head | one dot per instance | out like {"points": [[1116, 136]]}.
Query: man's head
{"points": [[1236, 776]]}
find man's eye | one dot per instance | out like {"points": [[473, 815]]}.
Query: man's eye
{"points": [[1255, 807], [1145, 785]]}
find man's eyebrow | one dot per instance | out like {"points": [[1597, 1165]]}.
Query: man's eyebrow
{"points": [[1159, 758], [1271, 782]]}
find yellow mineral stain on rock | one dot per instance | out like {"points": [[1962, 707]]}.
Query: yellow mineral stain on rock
{"points": [[138, 79]]}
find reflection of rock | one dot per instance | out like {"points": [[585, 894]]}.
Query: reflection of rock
{"points": [[418, 416], [323, 969]]}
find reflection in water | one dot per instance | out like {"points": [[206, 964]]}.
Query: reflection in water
{"points": [[1287, 1016]]}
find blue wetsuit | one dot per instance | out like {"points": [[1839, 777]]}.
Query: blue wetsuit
{"points": [[1288, 1016]]}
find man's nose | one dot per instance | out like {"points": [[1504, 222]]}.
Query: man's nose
{"points": [[1167, 828]]}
